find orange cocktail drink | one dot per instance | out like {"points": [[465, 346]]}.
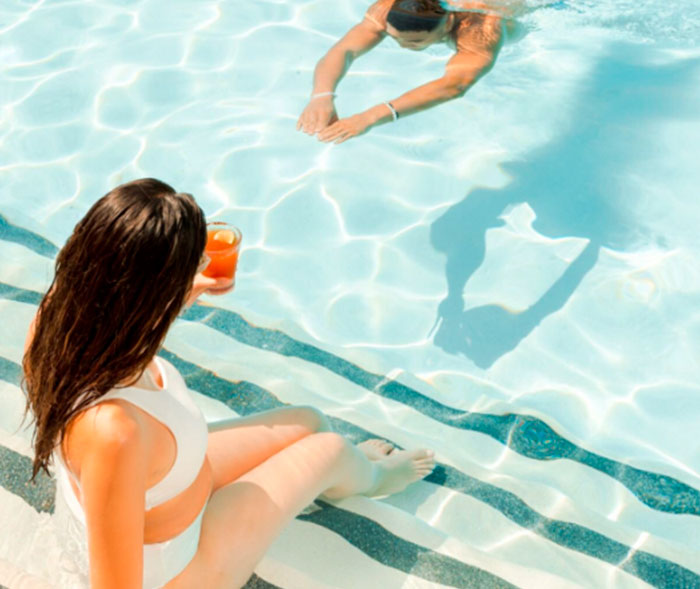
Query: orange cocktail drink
{"points": [[223, 243]]}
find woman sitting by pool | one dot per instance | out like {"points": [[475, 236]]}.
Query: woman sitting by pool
{"points": [[158, 500]]}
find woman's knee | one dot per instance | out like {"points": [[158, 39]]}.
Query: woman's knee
{"points": [[313, 419], [331, 445]]}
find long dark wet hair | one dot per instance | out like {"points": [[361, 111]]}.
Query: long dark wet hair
{"points": [[121, 279]]}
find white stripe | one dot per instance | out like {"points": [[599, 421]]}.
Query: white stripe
{"points": [[23, 545], [556, 566], [28, 269], [12, 434], [332, 561], [16, 318], [14, 577], [287, 577]]}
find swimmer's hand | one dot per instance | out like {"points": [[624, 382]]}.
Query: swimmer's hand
{"points": [[346, 128], [202, 284], [318, 114]]}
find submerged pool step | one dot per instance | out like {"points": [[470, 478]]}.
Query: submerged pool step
{"points": [[247, 398], [573, 489], [244, 396], [189, 370]]}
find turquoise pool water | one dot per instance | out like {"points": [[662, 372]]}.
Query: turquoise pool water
{"points": [[510, 278]]}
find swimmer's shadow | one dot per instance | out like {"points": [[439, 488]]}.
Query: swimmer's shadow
{"points": [[487, 332], [572, 185]]}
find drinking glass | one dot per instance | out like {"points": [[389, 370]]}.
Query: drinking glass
{"points": [[223, 244]]}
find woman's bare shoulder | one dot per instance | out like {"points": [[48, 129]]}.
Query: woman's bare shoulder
{"points": [[107, 429]]}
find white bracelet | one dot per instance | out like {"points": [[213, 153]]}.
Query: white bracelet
{"points": [[394, 114], [321, 94]]}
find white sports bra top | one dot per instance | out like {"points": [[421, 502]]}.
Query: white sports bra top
{"points": [[174, 406]]}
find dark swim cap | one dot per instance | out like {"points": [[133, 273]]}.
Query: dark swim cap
{"points": [[415, 15]]}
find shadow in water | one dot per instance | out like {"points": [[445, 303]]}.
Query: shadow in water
{"points": [[574, 186]]}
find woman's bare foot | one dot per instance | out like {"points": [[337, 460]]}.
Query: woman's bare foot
{"points": [[375, 449], [401, 468]]}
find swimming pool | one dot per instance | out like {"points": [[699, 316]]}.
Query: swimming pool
{"points": [[509, 278]]}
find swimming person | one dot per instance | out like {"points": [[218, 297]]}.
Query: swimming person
{"points": [[152, 497], [414, 24]]}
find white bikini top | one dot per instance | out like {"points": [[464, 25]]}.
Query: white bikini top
{"points": [[174, 406]]}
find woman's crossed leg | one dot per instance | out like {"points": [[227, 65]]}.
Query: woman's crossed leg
{"points": [[242, 443], [265, 489]]}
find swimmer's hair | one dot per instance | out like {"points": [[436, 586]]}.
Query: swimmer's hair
{"points": [[120, 281], [416, 15]]}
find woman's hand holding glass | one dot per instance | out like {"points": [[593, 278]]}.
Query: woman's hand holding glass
{"points": [[205, 284], [216, 273]]}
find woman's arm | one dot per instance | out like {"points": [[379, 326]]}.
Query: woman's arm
{"points": [[461, 72], [30, 334], [112, 468], [320, 111]]}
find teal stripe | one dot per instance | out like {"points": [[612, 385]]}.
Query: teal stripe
{"points": [[28, 239], [10, 372], [256, 582], [524, 434], [246, 398], [15, 474], [20, 295]]}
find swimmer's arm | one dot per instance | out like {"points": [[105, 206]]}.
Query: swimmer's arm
{"points": [[452, 85], [333, 65], [463, 70], [320, 110], [478, 51], [112, 479]]}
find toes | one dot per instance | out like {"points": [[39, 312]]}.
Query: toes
{"points": [[421, 473], [423, 462], [422, 454], [386, 447], [381, 445], [376, 449]]}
